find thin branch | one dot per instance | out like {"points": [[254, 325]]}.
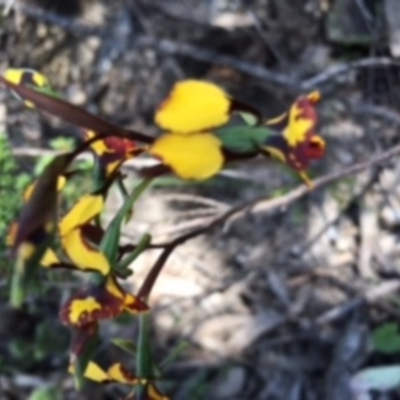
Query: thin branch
{"points": [[260, 204], [264, 204], [342, 69]]}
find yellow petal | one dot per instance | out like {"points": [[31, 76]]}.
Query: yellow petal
{"points": [[193, 106], [93, 372], [314, 96], [82, 254], [80, 307], [84, 211], [134, 305], [298, 127], [303, 175], [276, 120], [49, 259], [196, 157], [98, 146], [118, 373], [154, 394], [113, 166], [113, 287], [302, 119], [275, 152]]}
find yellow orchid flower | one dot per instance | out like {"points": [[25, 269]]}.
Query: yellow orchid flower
{"points": [[26, 76]]}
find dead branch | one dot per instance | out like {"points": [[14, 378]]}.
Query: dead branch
{"points": [[265, 204]]}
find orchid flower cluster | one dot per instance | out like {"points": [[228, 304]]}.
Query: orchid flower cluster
{"points": [[199, 138]]}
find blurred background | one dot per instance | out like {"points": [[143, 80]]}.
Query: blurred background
{"points": [[285, 303]]}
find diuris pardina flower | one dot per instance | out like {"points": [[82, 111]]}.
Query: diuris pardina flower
{"points": [[189, 115], [29, 77], [194, 149], [113, 151], [299, 143], [106, 300]]}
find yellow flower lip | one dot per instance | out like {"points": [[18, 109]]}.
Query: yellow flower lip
{"points": [[81, 308], [195, 157], [193, 106]]}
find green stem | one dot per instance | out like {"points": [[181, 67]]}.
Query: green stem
{"points": [[141, 188], [141, 246], [122, 188], [110, 241], [143, 357]]}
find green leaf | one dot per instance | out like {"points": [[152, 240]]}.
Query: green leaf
{"points": [[110, 241], [144, 359], [174, 354], [46, 393], [250, 119], [47, 90], [42, 163], [127, 345], [386, 338], [62, 143], [11, 192], [243, 139]]}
